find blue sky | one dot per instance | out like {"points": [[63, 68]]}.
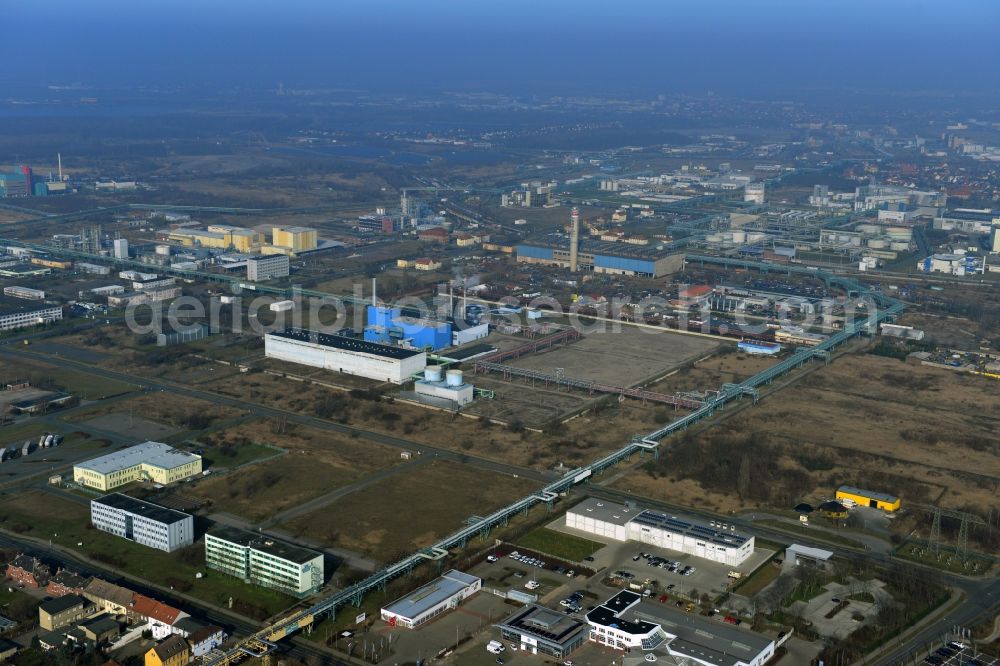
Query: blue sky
{"points": [[518, 45]]}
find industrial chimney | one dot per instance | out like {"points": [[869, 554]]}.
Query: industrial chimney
{"points": [[574, 239]]}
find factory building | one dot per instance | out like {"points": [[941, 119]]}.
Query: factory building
{"points": [[262, 560], [754, 193], [18, 314], [429, 601], [623, 523], [452, 388], [217, 236], [603, 257], [887, 503], [267, 267], [627, 623], [142, 522], [95, 269], [392, 326], [994, 242], [968, 220], [295, 239], [16, 183], [346, 355], [150, 461], [952, 264]]}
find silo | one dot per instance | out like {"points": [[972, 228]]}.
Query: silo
{"points": [[454, 377], [432, 373]]}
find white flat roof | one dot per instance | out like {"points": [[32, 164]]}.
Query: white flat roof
{"points": [[608, 512], [156, 454]]}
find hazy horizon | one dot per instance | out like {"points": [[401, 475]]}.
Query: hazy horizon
{"points": [[637, 48]]}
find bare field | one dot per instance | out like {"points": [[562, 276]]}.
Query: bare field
{"points": [[316, 463], [163, 408], [925, 434], [410, 510], [728, 366], [624, 358]]}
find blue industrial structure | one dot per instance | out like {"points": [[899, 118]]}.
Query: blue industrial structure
{"points": [[391, 326]]}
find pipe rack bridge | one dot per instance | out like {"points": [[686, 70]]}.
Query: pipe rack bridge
{"points": [[884, 308]]}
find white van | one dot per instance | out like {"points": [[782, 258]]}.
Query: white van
{"points": [[495, 647]]}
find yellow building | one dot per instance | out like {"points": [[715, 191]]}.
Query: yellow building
{"points": [[219, 237], [888, 503], [150, 461], [404, 263], [171, 651], [297, 239], [51, 263]]}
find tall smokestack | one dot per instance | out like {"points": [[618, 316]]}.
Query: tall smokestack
{"points": [[374, 299], [59, 157], [574, 239]]}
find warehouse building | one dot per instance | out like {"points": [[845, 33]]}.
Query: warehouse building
{"points": [[345, 355], [603, 257], [16, 314], [887, 503], [267, 267], [143, 522], [262, 560], [623, 523], [540, 630], [429, 601], [150, 461]]}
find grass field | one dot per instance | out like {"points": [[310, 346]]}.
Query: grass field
{"points": [[564, 546], [316, 462], [757, 581], [66, 523], [72, 381], [409, 510]]}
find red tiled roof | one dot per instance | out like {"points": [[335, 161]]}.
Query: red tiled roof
{"points": [[157, 610]]}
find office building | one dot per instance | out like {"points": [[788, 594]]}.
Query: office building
{"points": [[627, 623], [263, 560], [539, 630], [143, 522], [24, 293], [19, 314], [267, 267], [150, 461], [715, 542], [427, 602], [346, 355]]}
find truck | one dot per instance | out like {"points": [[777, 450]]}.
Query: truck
{"points": [[735, 575]]}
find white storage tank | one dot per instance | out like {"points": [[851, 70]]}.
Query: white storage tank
{"points": [[163, 250], [454, 377], [899, 246], [868, 228], [739, 237], [432, 373], [878, 244]]}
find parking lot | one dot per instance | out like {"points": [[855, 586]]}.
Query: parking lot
{"points": [[958, 654], [705, 576]]}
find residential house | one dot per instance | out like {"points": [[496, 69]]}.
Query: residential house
{"points": [[203, 638], [160, 617], [65, 582], [62, 611], [8, 649], [28, 571], [172, 651], [100, 629], [110, 598]]}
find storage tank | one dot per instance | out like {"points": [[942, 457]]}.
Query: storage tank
{"points": [[755, 236], [878, 244], [739, 237], [868, 228], [432, 373], [714, 238], [899, 246], [454, 377], [163, 250]]}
